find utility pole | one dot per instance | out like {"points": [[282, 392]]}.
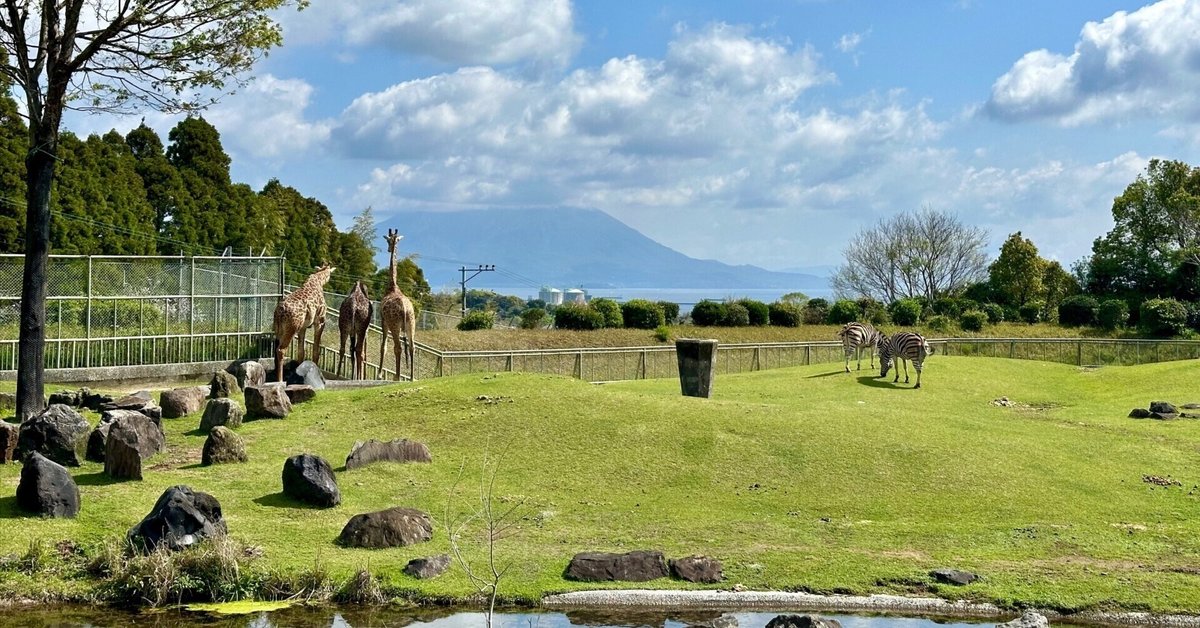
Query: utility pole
{"points": [[482, 268]]}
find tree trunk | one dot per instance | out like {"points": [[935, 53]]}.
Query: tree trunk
{"points": [[39, 165]]}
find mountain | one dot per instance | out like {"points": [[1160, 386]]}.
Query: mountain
{"points": [[564, 247]]}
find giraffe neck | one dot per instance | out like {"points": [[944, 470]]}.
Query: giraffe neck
{"points": [[392, 268]]}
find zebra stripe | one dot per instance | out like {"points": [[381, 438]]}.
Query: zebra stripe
{"points": [[857, 337], [903, 346]]}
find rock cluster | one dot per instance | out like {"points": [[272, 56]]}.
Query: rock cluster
{"points": [[58, 433], [82, 398], [97, 444], [1165, 411], [131, 440], [135, 403]]}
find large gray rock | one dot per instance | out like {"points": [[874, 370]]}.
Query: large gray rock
{"points": [[137, 403], [223, 385], [267, 402], [221, 411], [401, 450], [223, 446], [131, 440], [428, 567], [394, 527], [307, 373], [697, 569], [9, 432], [310, 479], [181, 517], [802, 621], [299, 393], [97, 445], [65, 397], [58, 433], [248, 373], [180, 402], [953, 576], [47, 489], [93, 400], [1028, 619], [1163, 407], [637, 566]]}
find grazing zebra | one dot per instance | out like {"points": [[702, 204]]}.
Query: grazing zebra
{"points": [[903, 346], [859, 337]]}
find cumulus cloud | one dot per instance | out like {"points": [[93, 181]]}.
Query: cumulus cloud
{"points": [[267, 119], [1144, 63], [464, 32]]}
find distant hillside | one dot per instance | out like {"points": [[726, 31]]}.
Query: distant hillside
{"points": [[565, 247]]}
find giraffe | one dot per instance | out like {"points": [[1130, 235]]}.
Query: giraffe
{"points": [[296, 312], [354, 317], [397, 314]]}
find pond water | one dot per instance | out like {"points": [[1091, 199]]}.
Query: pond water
{"points": [[87, 617]]}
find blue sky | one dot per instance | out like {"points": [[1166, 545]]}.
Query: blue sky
{"points": [[764, 132]]}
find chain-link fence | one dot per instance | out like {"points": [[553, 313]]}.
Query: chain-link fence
{"points": [[119, 311]]}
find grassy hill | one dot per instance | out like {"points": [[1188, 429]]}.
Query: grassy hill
{"points": [[800, 479]]}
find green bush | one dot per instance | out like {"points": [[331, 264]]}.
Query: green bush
{"points": [[816, 311], [905, 312], [642, 314], [577, 316], [670, 310], [973, 320], [843, 311], [994, 312], [532, 318], [736, 315], [783, 314], [662, 333], [1163, 317], [1030, 312], [610, 310], [1077, 311], [940, 323], [477, 319], [1112, 314], [708, 313], [946, 306], [760, 314]]}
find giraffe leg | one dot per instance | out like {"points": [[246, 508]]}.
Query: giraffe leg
{"points": [[300, 339], [342, 351], [283, 342], [382, 351], [410, 349], [398, 349], [361, 357], [317, 342]]}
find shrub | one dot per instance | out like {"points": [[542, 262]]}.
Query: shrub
{"points": [[1011, 313], [843, 311], [1112, 314], [577, 316], [905, 312], [816, 311], [477, 319], [127, 314], [994, 312], [946, 306], [662, 333], [760, 314], [785, 314], [532, 318], [736, 315], [1077, 311], [708, 313], [1030, 312], [966, 305], [642, 314], [610, 310], [973, 320], [1163, 317], [940, 323], [670, 310]]}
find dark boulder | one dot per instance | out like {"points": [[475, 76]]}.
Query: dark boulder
{"points": [[428, 567], [953, 576], [223, 385], [1163, 407], [58, 433], [310, 479], [180, 402], [267, 402], [1139, 413], [1164, 416], [696, 569], [65, 397], [1191, 406], [97, 445], [135, 403], [248, 373], [402, 450], [223, 446], [802, 621], [307, 373], [92, 400], [181, 517], [131, 440], [299, 393], [394, 527], [221, 411], [47, 489], [637, 566], [9, 432]]}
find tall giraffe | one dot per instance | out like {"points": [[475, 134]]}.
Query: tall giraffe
{"points": [[354, 317], [397, 314], [297, 312]]}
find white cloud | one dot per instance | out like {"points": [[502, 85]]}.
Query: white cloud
{"points": [[467, 32], [266, 120], [1144, 63]]}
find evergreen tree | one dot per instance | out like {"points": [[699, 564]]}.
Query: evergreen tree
{"points": [[308, 227], [164, 187], [14, 143]]}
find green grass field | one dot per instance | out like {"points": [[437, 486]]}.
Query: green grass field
{"points": [[797, 479]]}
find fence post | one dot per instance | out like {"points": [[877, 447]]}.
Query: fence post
{"points": [[508, 363], [1079, 353], [87, 356], [807, 355], [438, 369], [1012, 349], [754, 366], [642, 366], [192, 309]]}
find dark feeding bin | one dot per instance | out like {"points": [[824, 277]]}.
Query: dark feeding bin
{"points": [[697, 365]]}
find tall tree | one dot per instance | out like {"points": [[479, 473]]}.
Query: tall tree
{"points": [[1016, 275], [14, 144], [164, 187], [364, 228], [101, 55]]}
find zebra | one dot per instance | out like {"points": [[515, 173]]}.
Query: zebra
{"points": [[903, 346], [859, 337]]}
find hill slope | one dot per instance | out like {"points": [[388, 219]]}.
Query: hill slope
{"points": [[568, 247]]}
